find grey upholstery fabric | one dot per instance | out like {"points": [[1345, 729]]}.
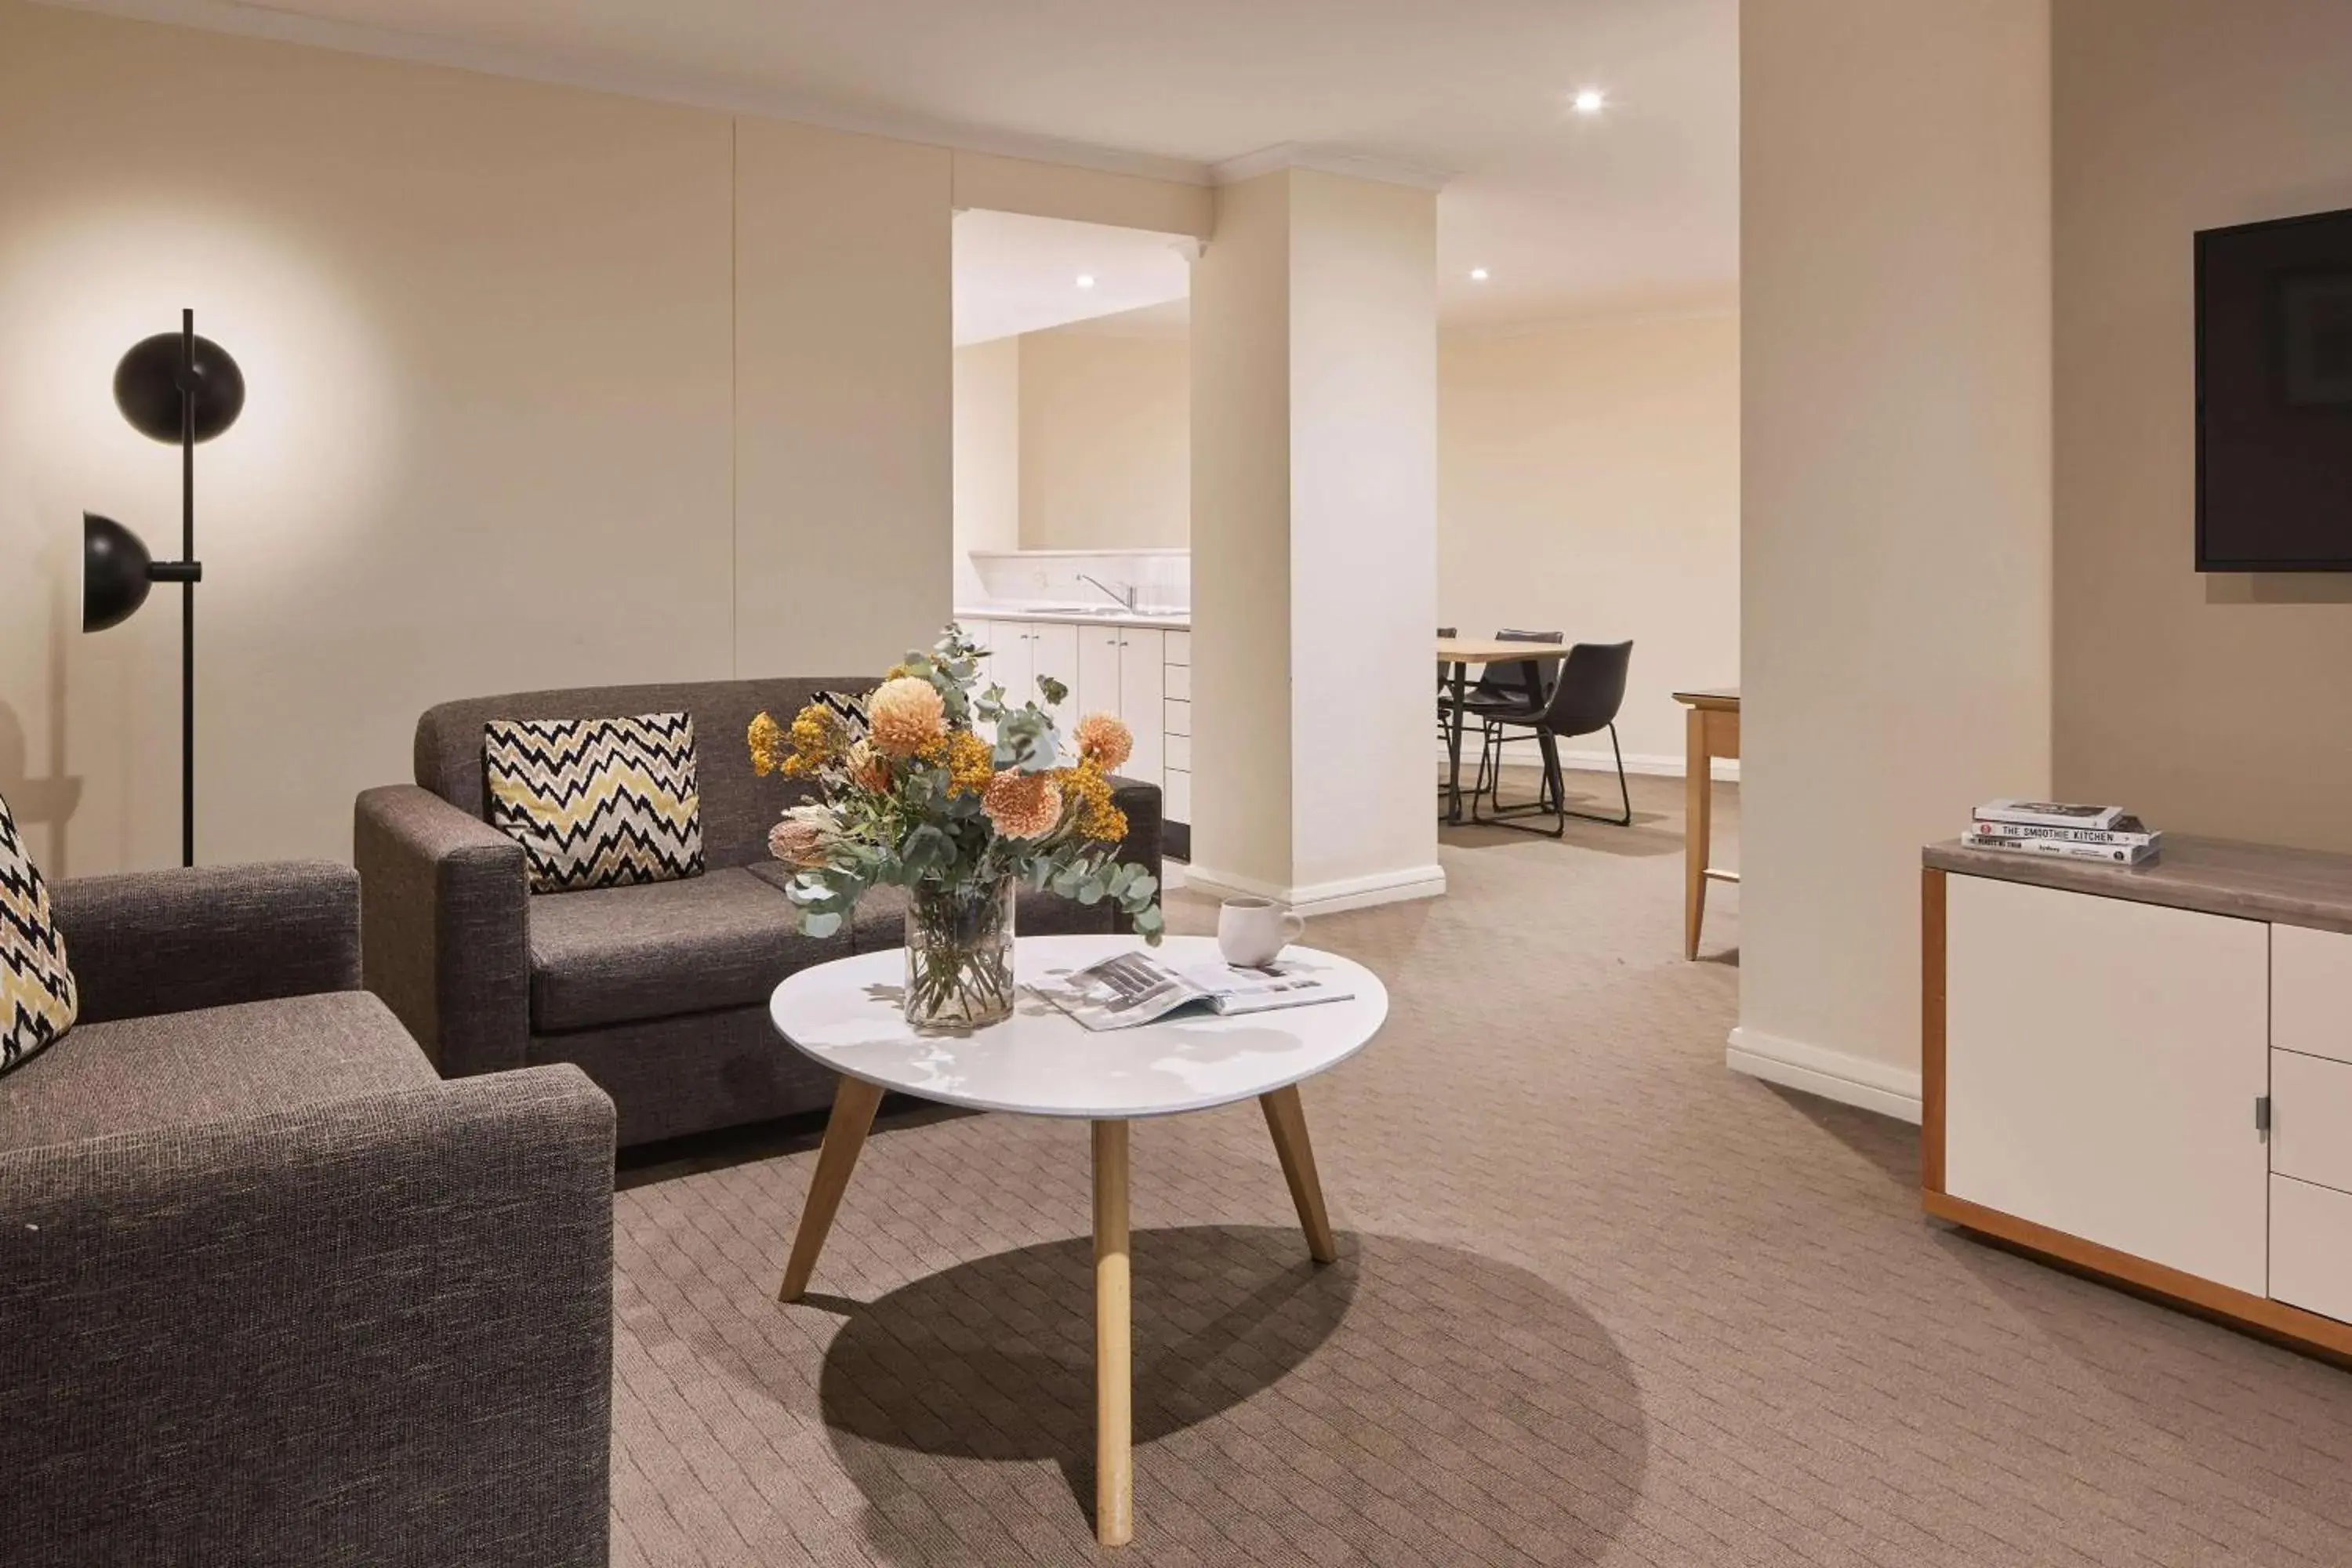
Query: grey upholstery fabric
{"points": [[165, 942], [270, 1293], [617, 955], [687, 1074], [659, 994], [131, 1075], [447, 927], [376, 1331], [738, 806]]}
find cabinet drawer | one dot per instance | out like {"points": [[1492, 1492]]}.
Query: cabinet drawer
{"points": [[1180, 752], [2311, 991], [1176, 718], [2311, 1120], [1180, 649], [1178, 804], [1179, 682], [2311, 1248]]}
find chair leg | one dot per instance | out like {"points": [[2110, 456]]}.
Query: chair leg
{"points": [[1555, 786]]}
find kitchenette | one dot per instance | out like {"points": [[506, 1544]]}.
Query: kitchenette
{"points": [[1115, 627]]}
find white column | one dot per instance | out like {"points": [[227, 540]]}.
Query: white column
{"points": [[1314, 539]]}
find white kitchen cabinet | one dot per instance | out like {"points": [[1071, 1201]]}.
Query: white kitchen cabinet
{"points": [[1142, 676], [1010, 661], [1054, 650], [1096, 690], [2311, 1248], [2311, 991], [2311, 1119], [2103, 1063]]}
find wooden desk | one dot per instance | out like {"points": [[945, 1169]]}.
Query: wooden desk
{"points": [[1458, 655], [1712, 731]]}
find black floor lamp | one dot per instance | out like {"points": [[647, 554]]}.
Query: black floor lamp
{"points": [[174, 387]]}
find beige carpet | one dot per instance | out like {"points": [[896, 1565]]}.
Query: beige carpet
{"points": [[1599, 1302]]}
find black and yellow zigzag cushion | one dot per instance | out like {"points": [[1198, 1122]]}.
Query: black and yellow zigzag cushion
{"points": [[596, 802], [37, 1001]]}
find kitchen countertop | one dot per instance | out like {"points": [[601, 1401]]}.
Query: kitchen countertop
{"points": [[1072, 615], [2212, 876]]}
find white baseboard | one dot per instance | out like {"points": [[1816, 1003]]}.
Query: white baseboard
{"points": [[1724, 770], [1832, 1075], [1174, 874], [1324, 898]]}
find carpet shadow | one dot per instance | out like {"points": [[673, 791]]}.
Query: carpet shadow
{"points": [[970, 1379], [1890, 1145]]}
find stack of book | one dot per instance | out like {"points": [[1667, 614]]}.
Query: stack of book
{"points": [[2072, 832]]}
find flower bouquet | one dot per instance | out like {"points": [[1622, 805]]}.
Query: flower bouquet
{"points": [[924, 801]]}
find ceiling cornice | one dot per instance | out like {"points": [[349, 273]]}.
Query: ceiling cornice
{"points": [[1326, 160], [259, 21]]}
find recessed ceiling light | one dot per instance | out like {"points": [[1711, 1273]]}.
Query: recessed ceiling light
{"points": [[1591, 101], [1085, 279], [1477, 275]]}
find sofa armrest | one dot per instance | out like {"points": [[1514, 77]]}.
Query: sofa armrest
{"points": [[446, 932], [166, 942], [364, 1333], [1142, 803]]}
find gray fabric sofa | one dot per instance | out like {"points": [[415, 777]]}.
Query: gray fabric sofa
{"points": [[271, 1292], [657, 992]]}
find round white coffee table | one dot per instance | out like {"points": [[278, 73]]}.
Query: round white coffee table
{"points": [[1041, 1062]]}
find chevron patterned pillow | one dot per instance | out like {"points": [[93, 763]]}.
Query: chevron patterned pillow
{"points": [[596, 802], [38, 1000]]}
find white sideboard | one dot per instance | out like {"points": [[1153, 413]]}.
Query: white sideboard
{"points": [[2147, 1072], [1137, 669]]}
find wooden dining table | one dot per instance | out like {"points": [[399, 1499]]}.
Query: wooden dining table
{"points": [[1455, 657], [1713, 732]]}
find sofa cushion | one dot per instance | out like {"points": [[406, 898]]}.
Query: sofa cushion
{"points": [[615, 955], [36, 988], [880, 923], [174, 1069], [596, 802], [738, 805]]}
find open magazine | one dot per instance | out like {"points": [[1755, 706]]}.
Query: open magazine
{"points": [[1136, 988]]}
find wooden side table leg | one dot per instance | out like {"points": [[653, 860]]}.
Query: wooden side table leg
{"points": [[844, 1135], [1114, 1372], [1285, 1118], [1698, 799]]}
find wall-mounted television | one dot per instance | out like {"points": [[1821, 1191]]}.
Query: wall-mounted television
{"points": [[2275, 395]]}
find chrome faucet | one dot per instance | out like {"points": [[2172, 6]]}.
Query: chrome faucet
{"points": [[1125, 597]]}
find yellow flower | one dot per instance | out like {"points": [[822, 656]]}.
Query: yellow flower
{"points": [[1022, 806], [1089, 791], [769, 747], [971, 763], [904, 715], [1105, 740]]}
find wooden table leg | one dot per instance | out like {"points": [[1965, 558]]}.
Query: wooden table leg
{"points": [[844, 1135], [1114, 1387], [1698, 797], [1285, 1118]]}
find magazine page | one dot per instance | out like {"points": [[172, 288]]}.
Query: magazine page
{"points": [[1120, 993], [1279, 984]]}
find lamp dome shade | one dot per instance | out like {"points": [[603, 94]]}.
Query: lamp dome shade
{"points": [[147, 388], [114, 578]]}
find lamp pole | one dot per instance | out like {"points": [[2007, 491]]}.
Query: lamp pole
{"points": [[188, 587]]}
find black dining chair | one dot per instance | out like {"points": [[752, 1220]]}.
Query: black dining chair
{"points": [[1584, 700]]}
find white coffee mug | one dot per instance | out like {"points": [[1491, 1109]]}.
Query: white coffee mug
{"points": [[1252, 932]]}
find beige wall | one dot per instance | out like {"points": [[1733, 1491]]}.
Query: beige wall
{"points": [[547, 388], [1105, 441], [2218, 704], [1896, 497], [1588, 482], [987, 456], [843, 405]]}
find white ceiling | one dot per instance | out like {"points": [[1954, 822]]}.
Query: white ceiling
{"points": [[1633, 209], [1016, 274]]}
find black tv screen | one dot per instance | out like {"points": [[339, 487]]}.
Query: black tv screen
{"points": [[2275, 395]]}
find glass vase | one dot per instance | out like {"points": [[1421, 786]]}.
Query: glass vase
{"points": [[959, 956]]}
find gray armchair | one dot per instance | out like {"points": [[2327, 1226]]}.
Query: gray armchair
{"points": [[271, 1291]]}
